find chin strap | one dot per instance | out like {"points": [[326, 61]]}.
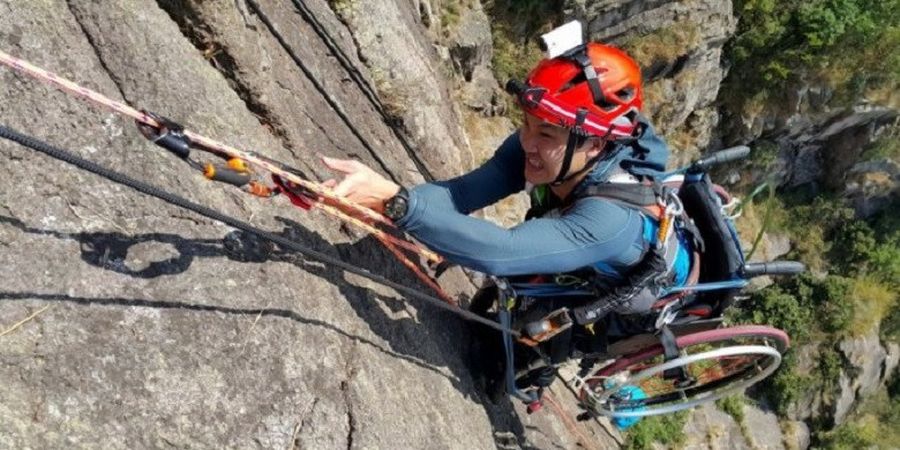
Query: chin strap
{"points": [[577, 136]]}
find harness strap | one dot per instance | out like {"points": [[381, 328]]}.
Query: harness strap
{"points": [[631, 195], [671, 351]]}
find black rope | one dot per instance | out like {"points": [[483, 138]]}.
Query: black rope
{"points": [[363, 84], [182, 202]]}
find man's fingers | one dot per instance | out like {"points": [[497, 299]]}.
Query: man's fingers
{"points": [[330, 184], [342, 189], [341, 165]]}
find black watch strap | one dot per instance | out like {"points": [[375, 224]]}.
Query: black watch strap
{"points": [[395, 208]]}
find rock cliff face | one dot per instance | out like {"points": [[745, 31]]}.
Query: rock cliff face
{"points": [[679, 46], [166, 329]]}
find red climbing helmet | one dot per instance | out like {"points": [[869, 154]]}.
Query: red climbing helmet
{"points": [[592, 89]]}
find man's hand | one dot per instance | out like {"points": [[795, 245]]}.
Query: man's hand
{"points": [[360, 184]]}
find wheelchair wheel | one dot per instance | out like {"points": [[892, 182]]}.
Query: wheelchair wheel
{"points": [[714, 363]]}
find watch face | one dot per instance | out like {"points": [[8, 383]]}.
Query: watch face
{"points": [[395, 208]]}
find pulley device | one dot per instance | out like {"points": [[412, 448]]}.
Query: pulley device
{"points": [[234, 171]]}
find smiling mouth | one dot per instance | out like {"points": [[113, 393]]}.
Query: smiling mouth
{"points": [[535, 163]]}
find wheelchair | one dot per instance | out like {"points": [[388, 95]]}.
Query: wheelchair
{"points": [[674, 356]]}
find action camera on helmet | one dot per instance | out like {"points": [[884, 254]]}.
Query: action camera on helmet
{"points": [[562, 39]]}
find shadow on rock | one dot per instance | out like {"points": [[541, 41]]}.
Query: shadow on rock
{"points": [[109, 250], [449, 337], [169, 304]]}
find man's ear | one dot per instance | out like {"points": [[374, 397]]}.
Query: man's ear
{"points": [[595, 147]]}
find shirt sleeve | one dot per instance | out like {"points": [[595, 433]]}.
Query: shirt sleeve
{"points": [[591, 231], [499, 177]]}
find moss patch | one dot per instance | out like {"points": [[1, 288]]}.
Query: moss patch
{"points": [[667, 430]]}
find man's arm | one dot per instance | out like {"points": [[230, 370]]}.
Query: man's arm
{"points": [[593, 230], [499, 177]]}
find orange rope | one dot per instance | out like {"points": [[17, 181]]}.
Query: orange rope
{"points": [[388, 240], [570, 424], [431, 256]]}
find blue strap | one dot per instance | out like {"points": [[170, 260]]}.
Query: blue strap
{"points": [[506, 321], [714, 286]]}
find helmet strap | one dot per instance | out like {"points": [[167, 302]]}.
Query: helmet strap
{"points": [[580, 56], [577, 135]]}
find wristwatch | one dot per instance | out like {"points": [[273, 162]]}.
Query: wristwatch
{"points": [[395, 208]]}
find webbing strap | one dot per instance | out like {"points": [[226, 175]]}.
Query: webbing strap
{"points": [[590, 74], [636, 194]]}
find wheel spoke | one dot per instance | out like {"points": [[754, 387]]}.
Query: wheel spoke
{"points": [[728, 361]]}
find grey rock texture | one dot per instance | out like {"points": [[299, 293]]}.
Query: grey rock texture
{"points": [[165, 329], [796, 435], [409, 76], [684, 68], [871, 185], [868, 361], [868, 365], [710, 428], [162, 328], [826, 150], [813, 404], [764, 431]]}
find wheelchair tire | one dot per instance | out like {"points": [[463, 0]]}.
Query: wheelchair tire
{"points": [[717, 363]]}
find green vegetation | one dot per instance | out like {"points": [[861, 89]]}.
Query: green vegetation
{"points": [[343, 8], [787, 386], [664, 44], [451, 13], [851, 46], [667, 430], [875, 424], [516, 26], [803, 306], [733, 406], [886, 146], [852, 289]]}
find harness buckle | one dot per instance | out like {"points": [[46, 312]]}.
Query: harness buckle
{"points": [[666, 316]]}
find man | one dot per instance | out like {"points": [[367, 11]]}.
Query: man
{"points": [[581, 129]]}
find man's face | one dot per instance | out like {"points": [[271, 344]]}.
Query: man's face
{"points": [[545, 148]]}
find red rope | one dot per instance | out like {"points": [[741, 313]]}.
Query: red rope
{"points": [[569, 423]]}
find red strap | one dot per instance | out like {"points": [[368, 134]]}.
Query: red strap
{"points": [[294, 195]]}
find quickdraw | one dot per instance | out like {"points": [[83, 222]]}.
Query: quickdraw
{"points": [[239, 169]]}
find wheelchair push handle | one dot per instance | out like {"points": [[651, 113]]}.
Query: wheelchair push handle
{"points": [[751, 270], [720, 157]]}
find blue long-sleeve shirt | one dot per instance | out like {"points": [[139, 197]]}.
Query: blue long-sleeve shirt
{"points": [[591, 231]]}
